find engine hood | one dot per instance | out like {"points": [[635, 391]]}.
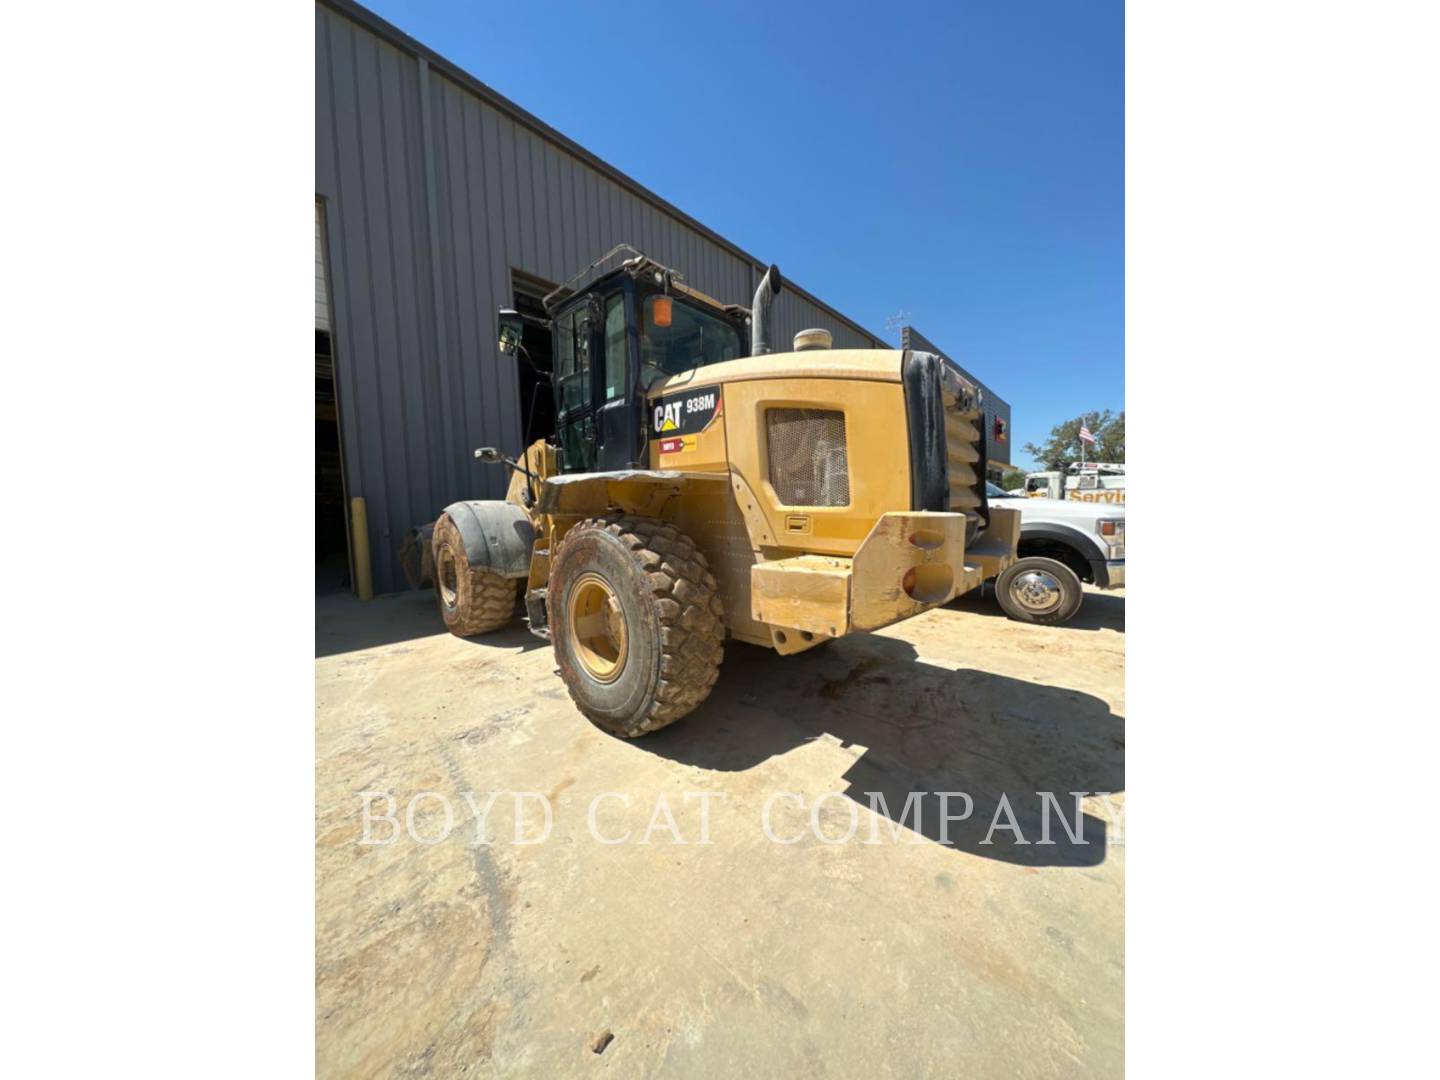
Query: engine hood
{"points": [[880, 365]]}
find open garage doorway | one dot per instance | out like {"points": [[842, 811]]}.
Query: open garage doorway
{"points": [[332, 531], [332, 541], [537, 400]]}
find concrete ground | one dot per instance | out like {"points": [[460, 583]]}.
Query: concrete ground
{"points": [[907, 956]]}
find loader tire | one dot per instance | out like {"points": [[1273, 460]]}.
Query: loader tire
{"points": [[636, 622], [472, 600]]}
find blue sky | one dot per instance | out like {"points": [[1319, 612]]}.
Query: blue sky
{"points": [[961, 161]]}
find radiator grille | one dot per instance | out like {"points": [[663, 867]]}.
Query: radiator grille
{"points": [[808, 462]]}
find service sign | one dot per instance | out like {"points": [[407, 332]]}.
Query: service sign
{"points": [[676, 415], [1102, 495]]}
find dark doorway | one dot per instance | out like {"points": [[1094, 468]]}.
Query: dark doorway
{"points": [[332, 546], [537, 400]]}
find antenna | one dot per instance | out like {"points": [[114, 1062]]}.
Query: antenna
{"points": [[894, 323]]}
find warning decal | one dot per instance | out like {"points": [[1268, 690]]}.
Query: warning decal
{"points": [[685, 413]]}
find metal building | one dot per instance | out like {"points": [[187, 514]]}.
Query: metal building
{"points": [[438, 202]]}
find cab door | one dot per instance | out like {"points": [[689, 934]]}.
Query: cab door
{"points": [[576, 333], [618, 425]]}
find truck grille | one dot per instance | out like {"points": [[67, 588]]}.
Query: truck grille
{"points": [[809, 464]]}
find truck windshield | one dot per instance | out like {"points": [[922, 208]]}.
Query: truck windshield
{"points": [[675, 337]]}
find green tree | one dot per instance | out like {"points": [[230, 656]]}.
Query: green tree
{"points": [[1063, 445], [1013, 479]]}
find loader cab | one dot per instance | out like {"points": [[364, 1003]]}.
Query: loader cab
{"points": [[628, 330]]}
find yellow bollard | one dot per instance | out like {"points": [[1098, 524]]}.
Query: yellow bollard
{"points": [[360, 536]]}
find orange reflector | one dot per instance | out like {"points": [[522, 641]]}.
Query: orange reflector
{"points": [[1107, 528], [660, 311]]}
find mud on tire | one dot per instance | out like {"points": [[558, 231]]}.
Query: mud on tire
{"points": [[673, 621], [472, 601]]}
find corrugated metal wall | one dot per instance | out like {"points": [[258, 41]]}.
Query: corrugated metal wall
{"points": [[997, 452], [433, 190]]}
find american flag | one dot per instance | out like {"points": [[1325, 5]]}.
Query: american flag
{"points": [[1085, 434]]}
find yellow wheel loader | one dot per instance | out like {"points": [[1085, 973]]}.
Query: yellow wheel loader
{"points": [[700, 487]]}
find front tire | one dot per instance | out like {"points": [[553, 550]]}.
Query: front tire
{"points": [[1038, 590], [636, 622], [472, 601]]}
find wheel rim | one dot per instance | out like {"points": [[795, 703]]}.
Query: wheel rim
{"points": [[445, 577], [597, 628], [1037, 591]]}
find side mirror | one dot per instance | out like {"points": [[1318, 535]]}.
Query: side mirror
{"points": [[512, 329]]}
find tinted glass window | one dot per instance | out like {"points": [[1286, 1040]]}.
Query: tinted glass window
{"points": [[572, 360], [615, 346], [692, 338]]}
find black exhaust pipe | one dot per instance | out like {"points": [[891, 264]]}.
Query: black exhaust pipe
{"points": [[760, 311]]}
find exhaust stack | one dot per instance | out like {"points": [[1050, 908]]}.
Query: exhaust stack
{"points": [[760, 311]]}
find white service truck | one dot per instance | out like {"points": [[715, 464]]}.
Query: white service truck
{"points": [[1063, 542], [1093, 481]]}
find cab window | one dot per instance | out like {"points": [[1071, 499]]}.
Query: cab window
{"points": [[675, 337], [615, 347], [572, 360]]}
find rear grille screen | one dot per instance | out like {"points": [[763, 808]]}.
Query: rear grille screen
{"points": [[808, 462]]}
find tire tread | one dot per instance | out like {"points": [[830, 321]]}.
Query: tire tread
{"points": [[485, 601], [689, 612]]}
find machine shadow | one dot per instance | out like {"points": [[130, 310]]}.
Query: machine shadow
{"points": [[924, 728]]}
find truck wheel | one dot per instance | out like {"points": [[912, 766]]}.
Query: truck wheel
{"points": [[472, 601], [1037, 590], [636, 622]]}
